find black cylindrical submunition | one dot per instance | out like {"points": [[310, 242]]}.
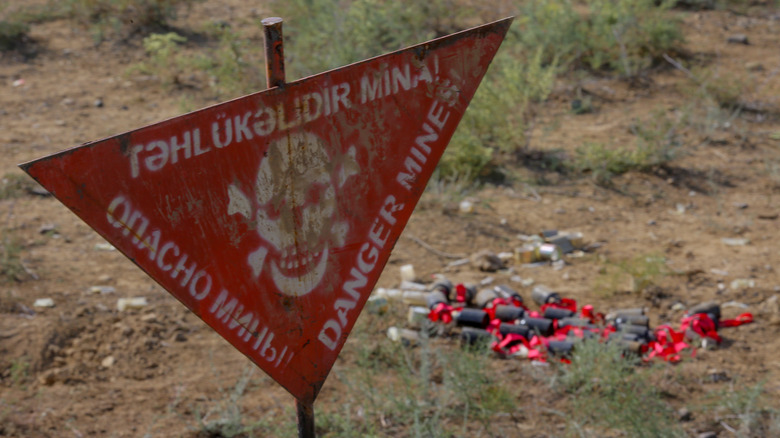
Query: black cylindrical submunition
{"points": [[557, 313], [509, 313], [639, 330], [435, 298], [505, 329], [632, 320], [710, 308], [472, 335], [471, 292], [472, 318], [543, 326], [544, 295], [443, 285], [485, 298], [560, 348], [508, 293], [573, 322]]}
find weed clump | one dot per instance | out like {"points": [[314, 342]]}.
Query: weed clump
{"points": [[125, 18], [608, 391]]}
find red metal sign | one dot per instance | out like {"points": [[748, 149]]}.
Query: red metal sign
{"points": [[271, 216]]}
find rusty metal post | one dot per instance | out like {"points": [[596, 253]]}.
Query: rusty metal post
{"points": [[305, 418], [274, 51]]}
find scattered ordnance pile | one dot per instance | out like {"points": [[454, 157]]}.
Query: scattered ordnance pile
{"points": [[499, 316]]}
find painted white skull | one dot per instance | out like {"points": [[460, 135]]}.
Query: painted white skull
{"points": [[296, 214]]}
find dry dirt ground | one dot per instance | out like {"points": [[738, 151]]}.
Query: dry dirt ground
{"points": [[82, 368]]}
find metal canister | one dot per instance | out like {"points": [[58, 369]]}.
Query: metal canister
{"points": [[414, 298], [417, 316], [508, 293], [505, 329], [471, 292], [709, 308], [509, 313], [632, 320], [472, 318], [526, 254], [543, 326], [443, 285], [639, 330], [542, 295], [549, 251], [573, 322], [435, 298], [632, 311], [557, 313], [560, 348], [472, 335], [485, 298]]}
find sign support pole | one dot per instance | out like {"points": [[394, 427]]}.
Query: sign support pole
{"points": [[305, 418], [274, 52], [274, 67]]}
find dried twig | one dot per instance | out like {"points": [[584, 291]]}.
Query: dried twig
{"points": [[434, 250]]}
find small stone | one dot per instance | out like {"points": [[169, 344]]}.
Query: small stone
{"points": [[738, 38], [683, 414], [43, 302], [735, 241], [180, 337], [48, 378], [707, 435], [466, 206], [47, 228], [98, 103], [651, 222], [67, 101], [678, 307], [754, 66], [150, 318], [108, 362], [742, 283], [103, 290], [740, 205], [104, 246], [123, 304]]}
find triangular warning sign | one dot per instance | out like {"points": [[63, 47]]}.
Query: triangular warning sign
{"points": [[271, 216]]}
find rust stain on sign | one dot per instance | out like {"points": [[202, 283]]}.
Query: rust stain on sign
{"points": [[271, 216]]}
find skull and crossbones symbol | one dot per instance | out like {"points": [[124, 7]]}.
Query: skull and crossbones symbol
{"points": [[295, 210]]}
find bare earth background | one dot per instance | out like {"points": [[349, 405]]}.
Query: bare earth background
{"points": [[82, 368]]}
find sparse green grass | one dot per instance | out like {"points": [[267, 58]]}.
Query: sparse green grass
{"points": [[634, 274], [657, 143], [744, 410], [11, 268], [12, 34], [15, 185], [230, 66], [430, 390], [608, 391], [20, 371], [122, 18]]}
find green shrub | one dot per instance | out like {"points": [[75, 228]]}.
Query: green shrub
{"points": [[609, 391], [230, 67], [11, 268], [12, 34], [656, 144], [625, 36], [122, 17]]}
